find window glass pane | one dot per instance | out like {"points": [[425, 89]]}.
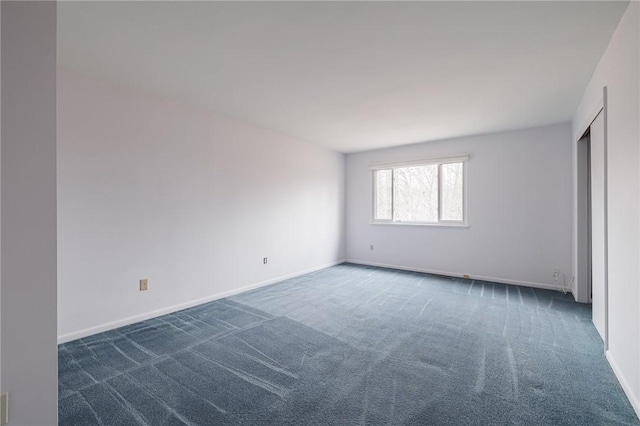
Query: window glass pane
{"points": [[452, 191], [416, 194], [383, 194]]}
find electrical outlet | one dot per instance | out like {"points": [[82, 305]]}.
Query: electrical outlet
{"points": [[144, 284], [4, 408], [371, 247], [555, 273], [265, 260]]}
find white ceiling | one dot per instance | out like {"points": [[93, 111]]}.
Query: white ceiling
{"points": [[350, 75]]}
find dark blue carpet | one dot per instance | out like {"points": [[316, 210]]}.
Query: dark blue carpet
{"points": [[351, 345]]}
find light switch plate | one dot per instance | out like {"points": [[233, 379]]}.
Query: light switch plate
{"points": [[4, 408]]}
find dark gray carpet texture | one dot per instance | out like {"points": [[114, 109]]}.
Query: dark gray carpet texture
{"points": [[351, 345]]}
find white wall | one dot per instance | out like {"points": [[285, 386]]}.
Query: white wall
{"points": [[619, 71], [28, 241], [519, 210], [149, 188]]}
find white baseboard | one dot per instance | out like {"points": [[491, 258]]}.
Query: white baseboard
{"points": [[635, 402], [170, 309], [460, 275]]}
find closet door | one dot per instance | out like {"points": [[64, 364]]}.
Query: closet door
{"points": [[598, 225]]}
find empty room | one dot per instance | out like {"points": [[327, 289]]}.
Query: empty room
{"points": [[310, 213]]}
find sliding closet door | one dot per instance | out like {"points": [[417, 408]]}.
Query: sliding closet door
{"points": [[598, 226]]}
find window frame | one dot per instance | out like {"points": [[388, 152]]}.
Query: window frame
{"points": [[374, 167]]}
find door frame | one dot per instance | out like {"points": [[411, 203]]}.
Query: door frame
{"points": [[583, 219], [601, 107]]}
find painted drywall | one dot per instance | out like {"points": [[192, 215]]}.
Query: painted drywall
{"points": [[355, 75], [192, 201], [619, 71], [28, 220], [519, 210]]}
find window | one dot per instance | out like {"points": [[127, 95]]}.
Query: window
{"points": [[420, 192]]}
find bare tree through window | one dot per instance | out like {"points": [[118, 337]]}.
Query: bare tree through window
{"points": [[383, 194], [452, 191], [416, 194], [424, 193]]}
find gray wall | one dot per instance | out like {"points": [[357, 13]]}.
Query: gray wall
{"points": [[28, 220], [619, 70], [150, 188], [519, 210]]}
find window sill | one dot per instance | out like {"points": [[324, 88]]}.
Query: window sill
{"points": [[437, 225]]}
